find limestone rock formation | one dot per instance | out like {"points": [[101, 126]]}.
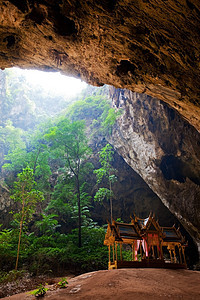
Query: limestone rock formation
{"points": [[164, 150], [6, 205], [131, 195], [146, 46]]}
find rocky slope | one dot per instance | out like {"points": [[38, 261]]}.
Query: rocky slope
{"points": [[138, 284], [164, 150]]}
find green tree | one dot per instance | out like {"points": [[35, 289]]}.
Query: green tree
{"points": [[91, 107], [48, 224], [64, 200], [108, 120], [106, 172], [11, 139], [35, 154], [69, 143], [25, 193]]}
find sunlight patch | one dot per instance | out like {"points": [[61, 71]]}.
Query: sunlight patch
{"points": [[53, 82]]}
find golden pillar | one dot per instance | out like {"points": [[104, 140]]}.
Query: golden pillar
{"points": [[113, 252], [170, 252], [109, 252], [174, 253]]}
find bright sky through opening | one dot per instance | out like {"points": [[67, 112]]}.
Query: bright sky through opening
{"points": [[53, 82]]}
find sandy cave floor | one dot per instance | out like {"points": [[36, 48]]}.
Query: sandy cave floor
{"points": [[127, 284]]}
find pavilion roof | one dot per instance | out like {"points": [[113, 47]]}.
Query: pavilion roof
{"points": [[128, 231], [121, 232], [171, 234], [147, 224]]}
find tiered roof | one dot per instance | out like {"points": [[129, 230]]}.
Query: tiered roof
{"points": [[147, 225], [121, 232], [171, 234], [147, 241], [124, 232]]}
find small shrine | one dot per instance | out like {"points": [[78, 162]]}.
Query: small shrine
{"points": [[143, 243]]}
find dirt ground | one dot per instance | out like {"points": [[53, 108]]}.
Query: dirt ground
{"points": [[126, 284], [28, 282]]}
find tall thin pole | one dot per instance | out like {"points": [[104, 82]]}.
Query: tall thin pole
{"points": [[20, 231], [111, 211], [79, 214]]}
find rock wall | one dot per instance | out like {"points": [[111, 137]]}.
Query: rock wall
{"points": [[145, 46], [6, 205], [131, 194], [164, 150]]}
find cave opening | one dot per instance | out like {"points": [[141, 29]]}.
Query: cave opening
{"points": [[172, 168], [143, 46]]}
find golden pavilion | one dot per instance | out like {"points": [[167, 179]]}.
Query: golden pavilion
{"points": [[143, 243]]}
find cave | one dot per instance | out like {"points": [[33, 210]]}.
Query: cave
{"points": [[149, 53], [174, 168]]}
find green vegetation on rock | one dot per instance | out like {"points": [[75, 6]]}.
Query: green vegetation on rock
{"points": [[45, 163]]}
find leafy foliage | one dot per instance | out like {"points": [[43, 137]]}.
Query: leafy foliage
{"points": [[92, 107], [28, 197], [11, 140], [10, 276], [68, 142], [40, 291], [62, 283], [103, 194], [24, 192], [108, 120], [8, 246], [48, 224], [34, 154], [52, 160], [55, 252], [106, 171], [97, 109]]}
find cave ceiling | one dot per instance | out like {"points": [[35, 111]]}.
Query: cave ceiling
{"points": [[149, 46]]}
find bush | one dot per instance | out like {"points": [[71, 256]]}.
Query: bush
{"points": [[56, 252], [13, 275]]}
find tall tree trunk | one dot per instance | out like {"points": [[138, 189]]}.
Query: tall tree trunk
{"points": [[79, 213], [111, 210], [20, 232]]}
